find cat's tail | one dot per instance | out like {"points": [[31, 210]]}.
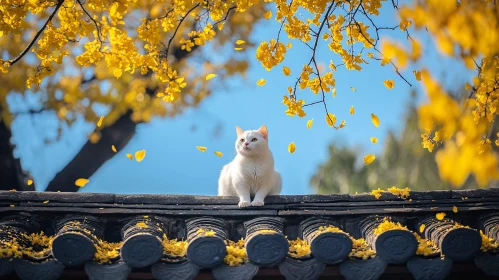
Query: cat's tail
{"points": [[276, 190]]}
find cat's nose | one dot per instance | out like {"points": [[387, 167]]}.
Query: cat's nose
{"points": [[246, 143]]}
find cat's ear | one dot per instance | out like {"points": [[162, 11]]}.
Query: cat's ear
{"points": [[263, 130], [239, 130]]}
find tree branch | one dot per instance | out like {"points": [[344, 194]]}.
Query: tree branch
{"points": [[26, 50]]}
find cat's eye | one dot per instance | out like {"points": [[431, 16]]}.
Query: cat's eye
{"points": [[242, 140], [253, 140]]}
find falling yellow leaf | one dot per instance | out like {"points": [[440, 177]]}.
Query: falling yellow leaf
{"points": [[291, 147], [140, 155], [81, 182], [30, 182], [417, 74], [352, 110], [389, 84], [94, 137], [421, 228], [440, 216], [310, 123], [267, 15], [45, 202], [238, 49], [210, 76], [201, 148], [353, 89], [330, 119], [286, 71], [99, 123], [454, 209], [240, 42], [368, 159], [129, 156], [219, 154], [334, 92], [375, 120], [113, 148], [374, 140], [261, 82]]}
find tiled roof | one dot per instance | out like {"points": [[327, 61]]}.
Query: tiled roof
{"points": [[139, 236]]}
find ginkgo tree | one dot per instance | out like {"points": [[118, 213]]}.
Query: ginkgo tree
{"points": [[130, 56]]}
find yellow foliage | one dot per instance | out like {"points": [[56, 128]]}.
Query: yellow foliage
{"points": [[298, 248], [236, 253], [388, 224], [173, 247]]}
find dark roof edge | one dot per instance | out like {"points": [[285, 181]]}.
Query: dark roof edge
{"points": [[171, 199]]}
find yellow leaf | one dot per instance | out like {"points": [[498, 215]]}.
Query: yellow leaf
{"points": [[267, 15], [389, 84], [375, 120], [219, 154], [238, 49], [309, 123], [140, 155], [352, 110], [353, 89], [440, 216], [261, 82], [417, 74], [99, 123], [343, 124], [330, 119], [240, 42], [368, 159], [454, 209], [291, 147], [370, 55], [201, 148], [45, 202], [334, 92], [117, 73], [30, 182], [286, 71], [94, 137], [374, 140], [129, 156], [289, 45], [210, 76], [81, 182], [421, 228], [113, 148], [467, 86]]}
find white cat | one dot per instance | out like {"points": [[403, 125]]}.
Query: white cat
{"points": [[251, 173]]}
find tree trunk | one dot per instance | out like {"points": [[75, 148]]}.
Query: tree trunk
{"points": [[11, 173], [92, 156]]}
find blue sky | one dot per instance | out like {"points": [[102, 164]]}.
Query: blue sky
{"points": [[173, 165]]}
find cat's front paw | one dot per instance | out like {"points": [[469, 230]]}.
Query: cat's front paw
{"points": [[257, 203], [243, 204]]}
